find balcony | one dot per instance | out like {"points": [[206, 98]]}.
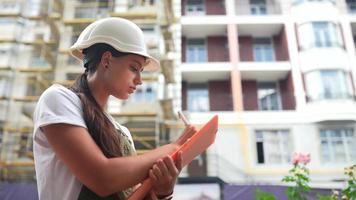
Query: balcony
{"points": [[10, 9], [204, 43], [264, 71], [201, 7], [268, 96], [304, 10], [209, 95], [261, 8]]}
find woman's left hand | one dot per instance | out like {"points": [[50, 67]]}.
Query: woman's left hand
{"points": [[164, 174]]}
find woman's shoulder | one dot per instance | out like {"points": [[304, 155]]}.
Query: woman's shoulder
{"points": [[58, 92]]}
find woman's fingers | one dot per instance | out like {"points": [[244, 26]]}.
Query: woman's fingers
{"points": [[188, 132], [173, 170], [179, 162]]}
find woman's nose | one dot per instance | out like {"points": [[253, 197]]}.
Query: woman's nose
{"points": [[138, 79]]}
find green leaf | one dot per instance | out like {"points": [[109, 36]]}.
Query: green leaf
{"points": [[262, 195]]}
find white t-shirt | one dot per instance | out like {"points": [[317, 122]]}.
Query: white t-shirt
{"points": [[57, 104]]}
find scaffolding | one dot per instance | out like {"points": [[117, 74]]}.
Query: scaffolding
{"points": [[36, 43]]}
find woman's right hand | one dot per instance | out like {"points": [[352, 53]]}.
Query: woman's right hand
{"points": [[187, 133]]}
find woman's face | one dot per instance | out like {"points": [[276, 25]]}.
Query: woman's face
{"points": [[123, 75]]}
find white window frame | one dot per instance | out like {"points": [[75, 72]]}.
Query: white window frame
{"points": [[331, 149], [279, 102], [197, 59], [316, 88], [264, 59], [195, 8], [191, 99], [285, 151], [143, 96], [307, 33], [258, 7]]}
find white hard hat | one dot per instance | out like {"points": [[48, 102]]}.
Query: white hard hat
{"points": [[121, 34]]}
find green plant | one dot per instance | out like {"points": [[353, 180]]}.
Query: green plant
{"points": [[333, 196], [299, 175], [350, 191], [261, 195]]}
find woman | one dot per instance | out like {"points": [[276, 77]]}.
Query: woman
{"points": [[80, 151]]}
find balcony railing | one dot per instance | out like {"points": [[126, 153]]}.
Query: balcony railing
{"points": [[257, 9], [330, 96], [277, 102]]}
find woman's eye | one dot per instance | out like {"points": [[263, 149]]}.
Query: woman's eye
{"points": [[134, 69]]}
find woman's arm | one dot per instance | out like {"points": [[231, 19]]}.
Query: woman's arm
{"points": [[74, 146]]}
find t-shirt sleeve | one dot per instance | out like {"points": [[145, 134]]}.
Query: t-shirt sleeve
{"points": [[58, 105]]}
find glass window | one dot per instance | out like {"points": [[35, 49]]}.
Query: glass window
{"points": [[325, 34], [5, 86], [263, 49], [319, 34], [258, 7], [351, 6], [10, 6], [304, 1], [146, 93], [37, 59], [338, 145], [268, 96], [195, 7], [328, 84], [196, 50], [273, 146], [198, 97]]}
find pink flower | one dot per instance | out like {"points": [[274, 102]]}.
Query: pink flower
{"points": [[301, 158]]}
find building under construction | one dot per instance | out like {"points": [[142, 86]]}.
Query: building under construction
{"points": [[280, 76]]}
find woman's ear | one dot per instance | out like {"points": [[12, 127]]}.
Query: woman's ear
{"points": [[105, 59]]}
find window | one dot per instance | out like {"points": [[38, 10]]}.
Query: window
{"points": [[320, 35], [4, 87], [328, 84], [273, 147], [198, 97], [304, 1], [263, 50], [196, 50], [146, 93], [268, 96], [351, 6], [338, 145], [37, 59], [195, 7], [325, 34], [258, 7], [10, 6]]}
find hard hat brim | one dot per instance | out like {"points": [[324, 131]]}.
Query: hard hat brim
{"points": [[151, 64]]}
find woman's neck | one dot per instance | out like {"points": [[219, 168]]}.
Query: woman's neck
{"points": [[98, 91]]}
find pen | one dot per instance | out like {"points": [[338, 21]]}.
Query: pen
{"points": [[183, 118]]}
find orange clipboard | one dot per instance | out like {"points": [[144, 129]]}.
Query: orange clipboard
{"points": [[194, 146]]}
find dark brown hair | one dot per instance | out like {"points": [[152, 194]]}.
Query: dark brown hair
{"points": [[99, 126]]}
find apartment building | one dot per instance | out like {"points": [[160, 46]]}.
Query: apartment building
{"points": [[280, 74]]}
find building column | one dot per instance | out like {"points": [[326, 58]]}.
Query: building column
{"points": [[350, 47], [232, 36], [299, 93]]}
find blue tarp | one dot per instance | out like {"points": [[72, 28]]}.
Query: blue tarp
{"points": [[248, 192], [18, 191], [28, 191]]}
